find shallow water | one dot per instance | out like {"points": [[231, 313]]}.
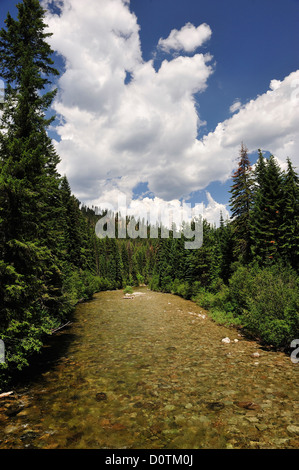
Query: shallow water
{"points": [[150, 373]]}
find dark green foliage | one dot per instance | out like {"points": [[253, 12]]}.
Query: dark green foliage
{"points": [[30, 276], [225, 237], [289, 229], [128, 290], [240, 202], [267, 213], [267, 300]]}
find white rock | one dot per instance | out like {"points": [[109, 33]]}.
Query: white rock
{"points": [[236, 340], [292, 429], [7, 394], [256, 354], [226, 340]]}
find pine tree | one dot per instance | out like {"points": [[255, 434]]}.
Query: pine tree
{"points": [[266, 216], [260, 171], [203, 265], [125, 262], [72, 225], [240, 203], [290, 216], [30, 208], [226, 244]]}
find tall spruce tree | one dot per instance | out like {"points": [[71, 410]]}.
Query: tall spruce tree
{"points": [[266, 216], [30, 208], [225, 239], [240, 203], [289, 231]]}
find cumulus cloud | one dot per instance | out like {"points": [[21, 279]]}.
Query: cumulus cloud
{"points": [[115, 133], [187, 39]]}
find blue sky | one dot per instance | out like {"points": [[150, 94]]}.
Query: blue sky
{"points": [[157, 95]]}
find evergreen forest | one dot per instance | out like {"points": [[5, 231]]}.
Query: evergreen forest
{"points": [[246, 273]]}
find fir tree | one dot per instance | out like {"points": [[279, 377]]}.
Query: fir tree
{"points": [[289, 230], [240, 203], [226, 243], [30, 276], [266, 217]]}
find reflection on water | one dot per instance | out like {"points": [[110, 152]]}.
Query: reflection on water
{"points": [[152, 372]]}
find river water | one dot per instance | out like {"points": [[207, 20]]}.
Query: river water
{"points": [[152, 372]]}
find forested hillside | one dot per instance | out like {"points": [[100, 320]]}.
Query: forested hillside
{"points": [[246, 272]]}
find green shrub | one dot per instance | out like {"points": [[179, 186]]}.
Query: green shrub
{"points": [[240, 288], [184, 290], [195, 288], [175, 286], [205, 299], [128, 290], [166, 284], [154, 282], [140, 279], [225, 318], [268, 301]]}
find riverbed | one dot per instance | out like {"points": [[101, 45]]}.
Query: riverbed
{"points": [[152, 372]]}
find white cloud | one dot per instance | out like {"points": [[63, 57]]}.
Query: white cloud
{"points": [[187, 39], [236, 106], [115, 135], [213, 210]]}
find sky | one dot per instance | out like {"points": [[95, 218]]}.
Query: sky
{"points": [[156, 96]]}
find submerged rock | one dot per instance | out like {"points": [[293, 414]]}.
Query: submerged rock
{"points": [[215, 406], [138, 404], [292, 429], [10, 429], [188, 406], [169, 408], [101, 396], [247, 405], [14, 409]]}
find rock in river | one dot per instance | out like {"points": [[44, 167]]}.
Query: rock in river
{"points": [[293, 430], [215, 406], [101, 396]]}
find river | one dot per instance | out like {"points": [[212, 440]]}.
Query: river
{"points": [[152, 372]]}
